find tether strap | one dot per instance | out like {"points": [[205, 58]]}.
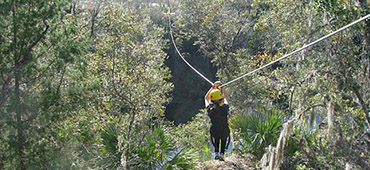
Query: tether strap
{"points": [[228, 141]]}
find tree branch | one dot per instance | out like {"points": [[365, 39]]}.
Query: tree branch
{"points": [[362, 103], [41, 74], [291, 101], [95, 13], [31, 46], [313, 106], [4, 94], [61, 79]]}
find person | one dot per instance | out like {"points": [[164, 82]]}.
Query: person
{"points": [[217, 105]]}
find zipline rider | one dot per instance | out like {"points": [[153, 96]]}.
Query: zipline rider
{"points": [[217, 106]]}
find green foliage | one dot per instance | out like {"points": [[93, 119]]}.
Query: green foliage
{"points": [[194, 136], [155, 148], [307, 150], [182, 160], [257, 131], [42, 47], [126, 91], [109, 136], [83, 85]]}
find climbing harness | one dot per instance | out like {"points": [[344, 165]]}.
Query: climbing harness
{"points": [[266, 65], [228, 141]]}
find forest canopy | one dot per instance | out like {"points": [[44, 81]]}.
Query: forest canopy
{"points": [[99, 85]]}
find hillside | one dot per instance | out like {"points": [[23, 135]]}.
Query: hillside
{"points": [[232, 162]]}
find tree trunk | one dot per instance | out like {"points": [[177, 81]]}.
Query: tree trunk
{"points": [[94, 13], [126, 154], [330, 116], [19, 124], [17, 100], [364, 4], [311, 119]]}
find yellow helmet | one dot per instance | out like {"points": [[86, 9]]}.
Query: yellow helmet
{"points": [[215, 95]]}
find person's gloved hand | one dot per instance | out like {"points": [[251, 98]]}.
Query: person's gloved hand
{"points": [[217, 84]]}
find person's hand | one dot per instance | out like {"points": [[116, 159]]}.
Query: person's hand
{"points": [[217, 84]]}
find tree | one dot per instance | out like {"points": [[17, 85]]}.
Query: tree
{"points": [[325, 75], [307, 81], [39, 44], [122, 125]]}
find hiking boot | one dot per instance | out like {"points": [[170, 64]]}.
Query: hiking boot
{"points": [[217, 155], [222, 157]]}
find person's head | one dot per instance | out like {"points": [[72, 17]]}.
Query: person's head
{"points": [[216, 96]]}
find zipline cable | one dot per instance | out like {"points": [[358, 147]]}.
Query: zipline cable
{"points": [[177, 50], [300, 49], [264, 66]]}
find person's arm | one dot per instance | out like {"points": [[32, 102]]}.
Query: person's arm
{"points": [[206, 98], [226, 100]]}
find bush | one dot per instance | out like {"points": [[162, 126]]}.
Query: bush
{"points": [[257, 131], [154, 150], [195, 136]]}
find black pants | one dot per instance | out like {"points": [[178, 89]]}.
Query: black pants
{"points": [[216, 144]]}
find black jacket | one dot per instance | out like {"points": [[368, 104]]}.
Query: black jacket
{"points": [[219, 126]]}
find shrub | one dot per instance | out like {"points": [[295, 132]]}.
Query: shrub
{"points": [[257, 131]]}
